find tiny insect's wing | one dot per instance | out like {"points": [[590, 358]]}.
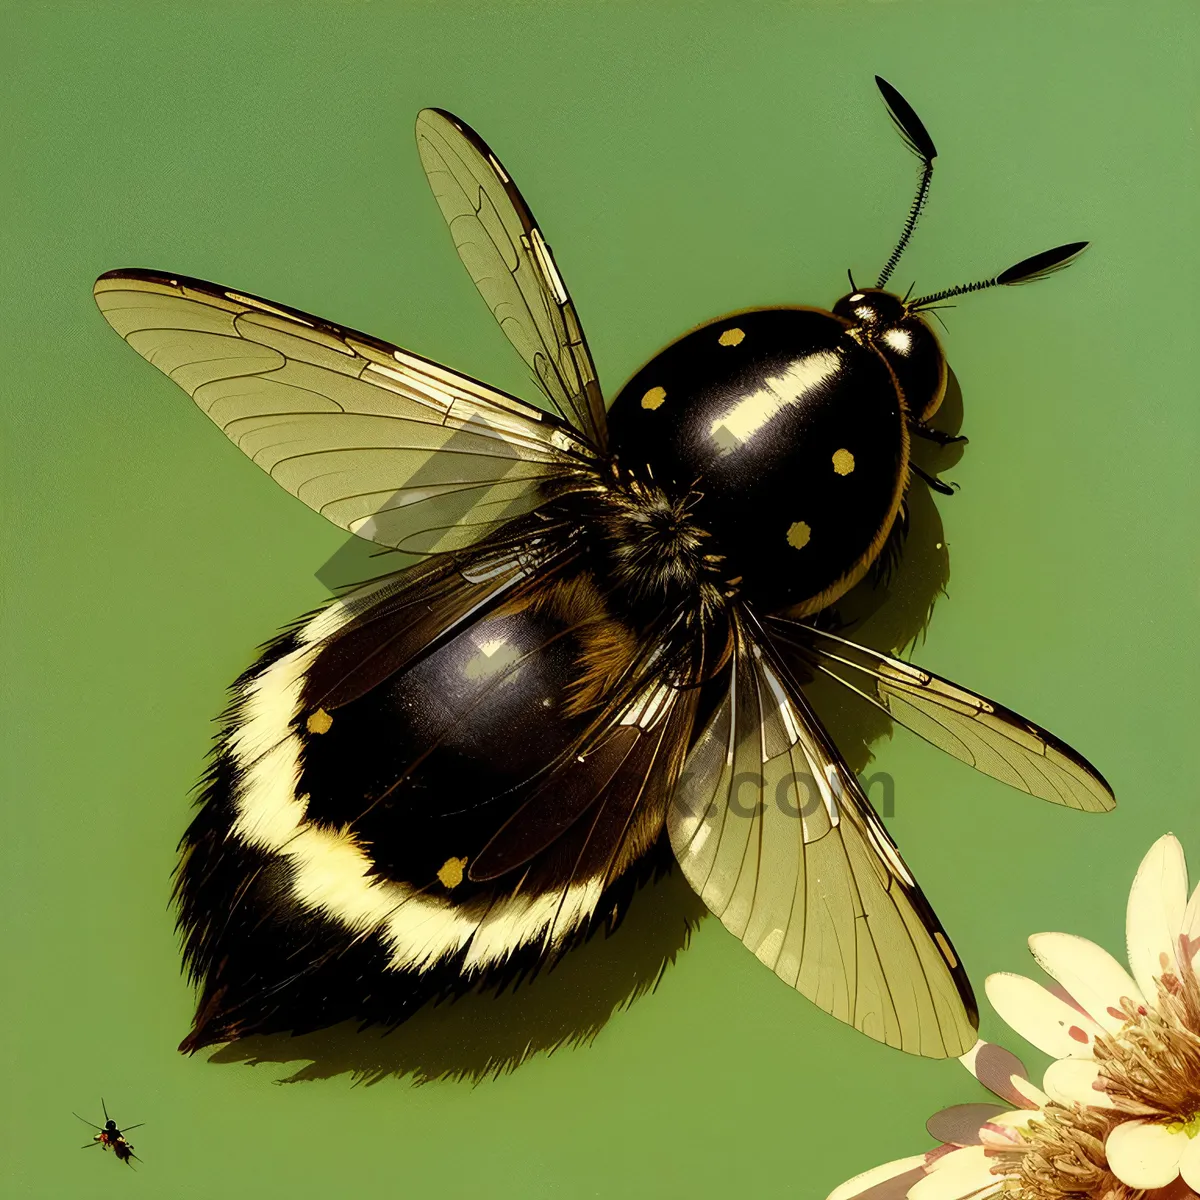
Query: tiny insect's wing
{"points": [[512, 266], [978, 731], [384, 443], [777, 837]]}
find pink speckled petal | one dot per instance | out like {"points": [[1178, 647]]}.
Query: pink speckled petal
{"points": [[1071, 1080], [995, 1067], [1092, 977], [960, 1124], [1154, 918], [1145, 1155], [890, 1181], [1032, 1096], [1040, 1018], [999, 1136]]}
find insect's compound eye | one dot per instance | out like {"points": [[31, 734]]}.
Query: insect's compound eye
{"points": [[871, 309], [912, 351]]}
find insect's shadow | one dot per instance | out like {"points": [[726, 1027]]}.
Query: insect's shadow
{"points": [[892, 613], [486, 1034]]}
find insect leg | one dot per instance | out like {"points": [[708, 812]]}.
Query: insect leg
{"points": [[943, 489], [921, 430]]}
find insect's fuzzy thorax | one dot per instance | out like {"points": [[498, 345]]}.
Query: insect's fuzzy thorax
{"points": [[660, 564]]}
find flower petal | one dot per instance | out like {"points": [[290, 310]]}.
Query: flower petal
{"points": [[890, 1181], [965, 1173], [1189, 1164], [1191, 917], [1032, 1096], [1191, 927], [1144, 1155], [1070, 1080], [1040, 1018], [1095, 980], [1019, 1118], [960, 1123], [999, 1137], [995, 1067], [1154, 919]]}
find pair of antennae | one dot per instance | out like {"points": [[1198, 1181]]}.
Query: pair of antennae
{"points": [[917, 138], [104, 1107]]}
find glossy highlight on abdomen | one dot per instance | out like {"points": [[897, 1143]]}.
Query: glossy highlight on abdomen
{"points": [[789, 435]]}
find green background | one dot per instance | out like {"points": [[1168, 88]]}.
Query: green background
{"points": [[685, 160]]}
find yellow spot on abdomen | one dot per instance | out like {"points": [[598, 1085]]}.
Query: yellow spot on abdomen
{"points": [[319, 722], [798, 535], [654, 397], [732, 337], [843, 462], [450, 873]]}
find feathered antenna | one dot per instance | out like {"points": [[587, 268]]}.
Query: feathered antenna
{"points": [[1028, 270], [916, 138]]}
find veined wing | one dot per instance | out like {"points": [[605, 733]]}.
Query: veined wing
{"points": [[512, 266], [980, 732], [382, 442], [777, 837]]}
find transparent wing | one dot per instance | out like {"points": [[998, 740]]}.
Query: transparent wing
{"points": [[777, 837], [512, 266], [980, 732], [622, 769], [384, 443]]}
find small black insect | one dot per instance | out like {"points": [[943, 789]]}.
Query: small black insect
{"points": [[455, 772], [110, 1137]]}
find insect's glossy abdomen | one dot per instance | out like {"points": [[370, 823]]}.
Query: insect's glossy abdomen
{"points": [[789, 434], [477, 719]]}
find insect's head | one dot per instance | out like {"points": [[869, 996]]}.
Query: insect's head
{"points": [[892, 324]]}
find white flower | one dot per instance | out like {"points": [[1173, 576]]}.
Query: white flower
{"points": [[1129, 1042], [1118, 1114]]}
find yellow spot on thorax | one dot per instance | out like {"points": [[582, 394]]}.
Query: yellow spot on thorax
{"points": [[732, 337], [843, 462], [319, 722], [450, 873], [798, 535], [654, 398]]}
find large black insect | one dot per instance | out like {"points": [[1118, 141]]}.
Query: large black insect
{"points": [[461, 769]]}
